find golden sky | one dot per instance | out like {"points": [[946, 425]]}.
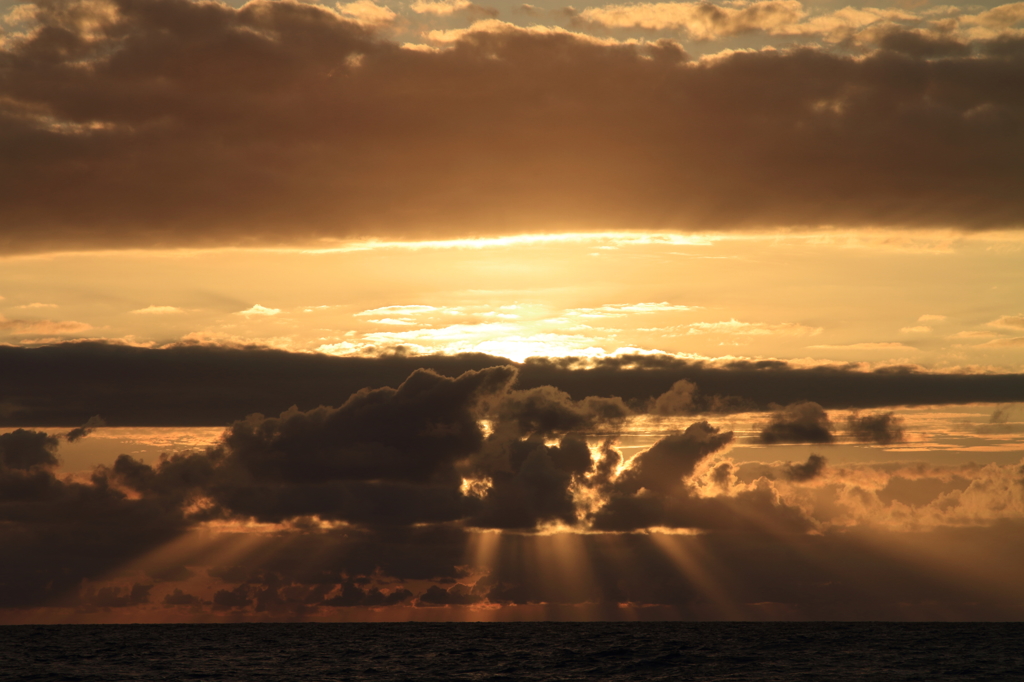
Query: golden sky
{"points": [[444, 310]]}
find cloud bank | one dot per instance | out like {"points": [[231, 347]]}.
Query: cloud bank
{"points": [[171, 122]]}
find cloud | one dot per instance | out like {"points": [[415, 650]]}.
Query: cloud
{"points": [[1003, 343], [624, 309], [753, 329], [702, 21], [158, 310], [812, 468], [30, 306], [368, 496], [210, 385], [367, 12], [882, 428], [885, 345], [920, 329], [1008, 322], [260, 310], [43, 327], [685, 399], [85, 429], [441, 7], [804, 422], [145, 151]]}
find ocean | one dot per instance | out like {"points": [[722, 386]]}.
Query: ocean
{"points": [[515, 651]]}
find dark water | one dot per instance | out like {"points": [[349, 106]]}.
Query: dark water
{"points": [[515, 651]]}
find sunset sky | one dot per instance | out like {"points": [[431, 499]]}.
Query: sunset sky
{"points": [[501, 311]]}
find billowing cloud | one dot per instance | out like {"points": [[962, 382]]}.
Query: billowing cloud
{"points": [[812, 468], [883, 428], [391, 501], [803, 422], [306, 125]]}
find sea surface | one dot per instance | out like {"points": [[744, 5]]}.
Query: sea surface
{"points": [[515, 651]]}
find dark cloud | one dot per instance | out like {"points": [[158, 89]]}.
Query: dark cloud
{"points": [[457, 595], [57, 532], [65, 385], [883, 428], [654, 492], [810, 469], [85, 429], [179, 598], [803, 422], [170, 122], [352, 595], [920, 45], [27, 450], [684, 398], [115, 597]]}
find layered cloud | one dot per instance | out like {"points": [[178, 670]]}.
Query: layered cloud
{"points": [[193, 385], [302, 123], [391, 501]]}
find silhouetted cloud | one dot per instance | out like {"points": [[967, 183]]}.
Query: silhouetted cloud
{"points": [[65, 385], [804, 472], [883, 428], [85, 429], [803, 422]]}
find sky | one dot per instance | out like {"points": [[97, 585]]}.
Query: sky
{"points": [[390, 311]]}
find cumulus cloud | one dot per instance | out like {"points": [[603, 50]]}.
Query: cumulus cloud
{"points": [[301, 118], [882, 428], [812, 468], [372, 496], [803, 422]]}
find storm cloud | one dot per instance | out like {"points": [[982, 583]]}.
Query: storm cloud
{"points": [[146, 123]]}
